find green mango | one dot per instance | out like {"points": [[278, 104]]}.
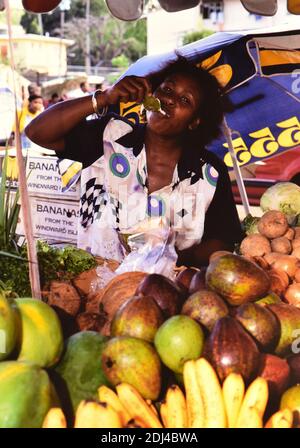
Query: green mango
{"points": [[40, 334], [8, 330], [79, 371], [26, 395]]}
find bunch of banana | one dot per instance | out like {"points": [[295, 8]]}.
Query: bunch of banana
{"points": [[173, 409], [204, 399], [205, 404], [210, 406]]}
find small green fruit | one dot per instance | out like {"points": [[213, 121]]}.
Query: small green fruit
{"points": [[179, 339]]}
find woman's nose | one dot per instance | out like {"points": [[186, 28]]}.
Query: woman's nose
{"points": [[169, 100]]}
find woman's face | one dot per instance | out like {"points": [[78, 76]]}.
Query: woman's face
{"points": [[180, 98]]}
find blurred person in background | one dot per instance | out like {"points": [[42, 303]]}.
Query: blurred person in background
{"points": [[31, 109]]}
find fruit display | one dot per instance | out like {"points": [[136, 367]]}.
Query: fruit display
{"points": [[216, 347], [203, 402]]}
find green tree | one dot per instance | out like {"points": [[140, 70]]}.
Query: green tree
{"points": [[193, 36], [109, 37]]}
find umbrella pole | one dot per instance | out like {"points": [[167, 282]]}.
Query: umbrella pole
{"points": [[25, 201], [236, 167]]}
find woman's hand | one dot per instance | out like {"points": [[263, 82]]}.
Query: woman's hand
{"points": [[129, 88]]}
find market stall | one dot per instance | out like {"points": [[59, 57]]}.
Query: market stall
{"points": [[211, 347]]}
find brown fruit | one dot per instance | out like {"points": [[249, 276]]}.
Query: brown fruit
{"points": [[40, 6], [166, 294], [290, 233], [198, 281], [85, 281], [64, 296], [279, 281], [255, 245], [139, 317], [185, 277], [294, 363], [237, 280], [296, 243], [218, 254], [286, 263], [296, 253], [281, 245], [273, 224], [205, 307], [289, 319], [292, 294], [89, 322], [231, 349], [261, 262], [276, 371], [117, 292], [297, 276], [260, 323]]}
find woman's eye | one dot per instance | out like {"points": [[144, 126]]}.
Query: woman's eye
{"points": [[167, 89], [185, 100]]}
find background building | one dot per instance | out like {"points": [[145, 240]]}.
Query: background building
{"points": [[166, 30]]}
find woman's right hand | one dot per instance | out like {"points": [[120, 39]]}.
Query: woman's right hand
{"points": [[128, 89]]}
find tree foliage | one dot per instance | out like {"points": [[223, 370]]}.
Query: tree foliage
{"points": [[193, 36], [110, 37]]}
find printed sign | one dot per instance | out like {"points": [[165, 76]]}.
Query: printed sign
{"points": [[43, 178], [53, 220]]}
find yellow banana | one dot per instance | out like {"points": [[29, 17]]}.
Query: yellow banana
{"points": [[164, 414], [108, 396], [250, 419], [152, 407], [55, 419], [211, 394], [135, 423], [137, 407], [91, 414], [233, 394], [281, 419], [256, 397], [194, 404], [173, 410]]}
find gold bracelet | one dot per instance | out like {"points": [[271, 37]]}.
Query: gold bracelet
{"points": [[95, 105]]}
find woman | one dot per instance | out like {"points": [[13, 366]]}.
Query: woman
{"points": [[157, 170]]}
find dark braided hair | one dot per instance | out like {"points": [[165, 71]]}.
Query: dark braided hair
{"points": [[211, 109]]}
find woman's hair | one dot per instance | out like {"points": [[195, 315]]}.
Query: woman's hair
{"points": [[211, 110]]}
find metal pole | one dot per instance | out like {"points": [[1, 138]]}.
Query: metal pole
{"points": [[236, 168], [88, 40]]}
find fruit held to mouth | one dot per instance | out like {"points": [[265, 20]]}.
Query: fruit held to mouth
{"points": [[152, 104]]}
